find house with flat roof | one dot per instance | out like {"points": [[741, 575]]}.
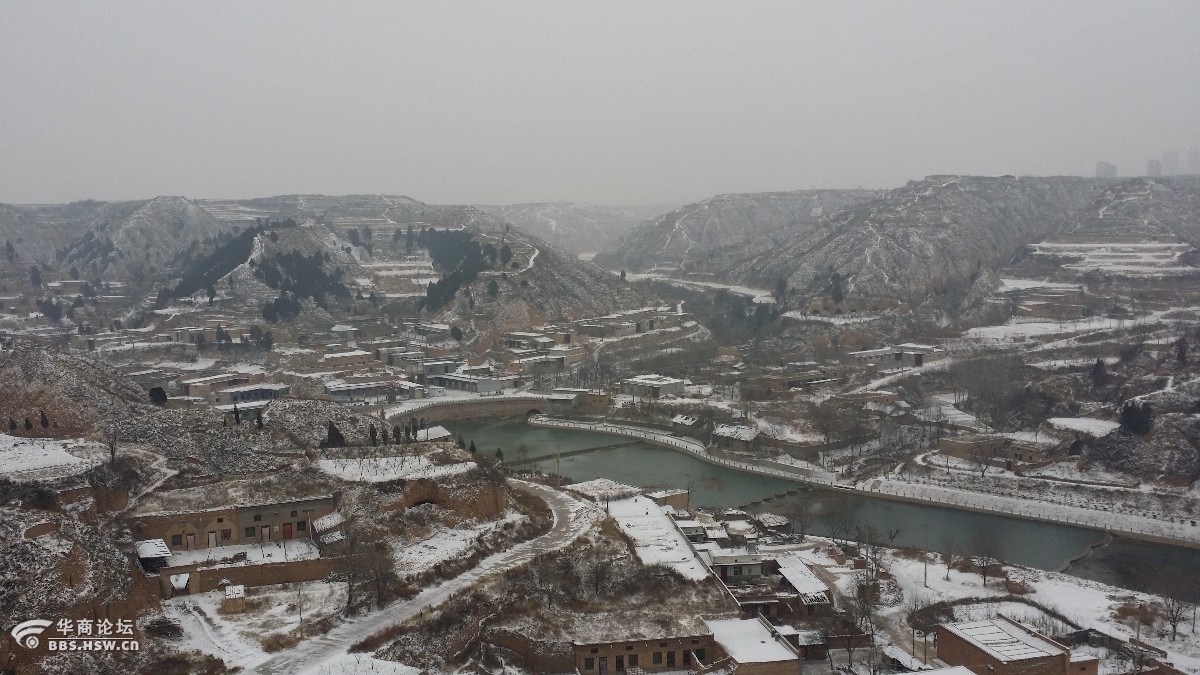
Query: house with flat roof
{"points": [[1002, 646], [346, 359], [734, 436], [752, 647], [247, 393], [652, 386]]}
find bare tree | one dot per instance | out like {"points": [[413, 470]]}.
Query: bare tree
{"points": [[948, 547], [982, 455], [987, 555], [1175, 611], [801, 516]]}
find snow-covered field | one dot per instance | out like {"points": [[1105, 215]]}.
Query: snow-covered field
{"points": [[415, 557], [44, 458], [1146, 258], [378, 469], [1020, 330], [1089, 425], [657, 540]]}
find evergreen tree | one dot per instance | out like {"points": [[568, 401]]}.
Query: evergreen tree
{"points": [[396, 433], [1181, 351], [44, 421], [506, 254], [334, 437], [472, 448], [456, 333], [780, 289], [1099, 373], [28, 424], [1136, 419], [383, 431], [374, 434], [258, 420], [493, 288], [35, 277], [158, 397], [499, 455], [237, 415], [12, 426], [10, 251], [408, 239], [835, 288], [622, 275], [458, 442]]}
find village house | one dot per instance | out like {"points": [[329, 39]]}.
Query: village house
{"points": [[900, 357], [652, 386], [682, 652], [373, 389], [1002, 646], [207, 387], [247, 393], [734, 437], [752, 647], [346, 359], [232, 513]]}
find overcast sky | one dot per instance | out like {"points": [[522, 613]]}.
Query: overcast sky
{"points": [[613, 102]]}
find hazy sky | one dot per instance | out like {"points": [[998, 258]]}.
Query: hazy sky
{"points": [[613, 102]]}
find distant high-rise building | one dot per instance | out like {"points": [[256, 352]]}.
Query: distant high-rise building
{"points": [[1170, 162], [1194, 161], [1106, 170], [1154, 168]]}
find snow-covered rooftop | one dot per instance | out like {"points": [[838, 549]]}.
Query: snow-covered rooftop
{"points": [[736, 431], [152, 548], [601, 489], [800, 576], [1090, 425], [655, 537], [1005, 640], [748, 641]]}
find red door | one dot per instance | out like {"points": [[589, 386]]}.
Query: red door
{"points": [[287, 530]]}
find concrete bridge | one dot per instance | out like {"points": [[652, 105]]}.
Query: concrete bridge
{"points": [[441, 410]]}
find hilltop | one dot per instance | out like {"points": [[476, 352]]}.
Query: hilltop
{"points": [[924, 243]]}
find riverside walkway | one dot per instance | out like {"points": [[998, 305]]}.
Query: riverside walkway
{"points": [[1175, 531]]}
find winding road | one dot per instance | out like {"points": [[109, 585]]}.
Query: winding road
{"points": [[572, 518]]}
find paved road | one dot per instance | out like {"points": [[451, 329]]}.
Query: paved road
{"points": [[572, 518]]}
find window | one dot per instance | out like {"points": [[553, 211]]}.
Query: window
{"points": [[628, 648], [293, 514], [177, 540], [671, 658], [633, 660], [226, 535], [699, 654], [595, 650], [302, 526], [657, 658], [589, 664], [220, 520], [257, 517], [249, 532], [737, 571]]}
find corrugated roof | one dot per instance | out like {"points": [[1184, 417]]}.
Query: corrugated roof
{"points": [[1005, 640]]}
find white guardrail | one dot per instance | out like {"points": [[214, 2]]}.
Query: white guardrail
{"points": [[1177, 530]]}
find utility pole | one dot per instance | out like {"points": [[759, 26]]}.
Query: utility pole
{"points": [[925, 557]]}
